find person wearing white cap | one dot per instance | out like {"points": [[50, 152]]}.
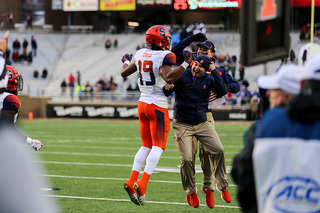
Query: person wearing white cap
{"points": [[281, 85], [255, 164]]}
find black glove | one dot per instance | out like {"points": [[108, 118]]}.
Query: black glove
{"points": [[126, 57], [213, 59], [199, 37], [188, 56]]}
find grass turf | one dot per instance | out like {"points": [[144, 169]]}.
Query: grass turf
{"points": [[88, 160]]}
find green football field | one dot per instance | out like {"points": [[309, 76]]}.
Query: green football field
{"points": [[88, 160]]}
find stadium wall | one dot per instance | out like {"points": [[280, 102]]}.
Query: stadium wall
{"points": [[36, 105], [128, 110], [42, 107]]}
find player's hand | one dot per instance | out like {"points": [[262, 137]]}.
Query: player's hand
{"points": [[212, 64], [199, 37], [4, 41], [188, 56], [126, 57], [168, 86], [36, 144]]}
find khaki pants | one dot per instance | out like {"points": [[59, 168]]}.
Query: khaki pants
{"points": [[208, 166], [187, 146]]}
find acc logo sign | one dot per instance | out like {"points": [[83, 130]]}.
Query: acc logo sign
{"points": [[295, 194]]}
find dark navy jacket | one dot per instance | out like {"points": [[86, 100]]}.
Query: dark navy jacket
{"points": [[178, 49], [232, 85], [192, 96]]}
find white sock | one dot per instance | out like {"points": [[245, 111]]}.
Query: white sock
{"points": [[140, 158], [153, 159]]}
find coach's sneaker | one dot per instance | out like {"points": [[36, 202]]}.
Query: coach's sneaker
{"points": [[141, 192], [194, 200], [128, 186], [225, 196], [209, 196], [189, 199]]}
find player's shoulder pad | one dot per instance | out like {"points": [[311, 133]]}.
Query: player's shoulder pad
{"points": [[170, 59], [11, 102]]}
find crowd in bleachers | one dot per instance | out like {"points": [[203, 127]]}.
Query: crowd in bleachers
{"points": [[20, 52], [87, 92]]}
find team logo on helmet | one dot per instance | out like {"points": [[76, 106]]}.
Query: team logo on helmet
{"points": [[15, 80], [158, 36]]}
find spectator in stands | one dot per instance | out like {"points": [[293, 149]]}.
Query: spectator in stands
{"points": [[10, 20], [111, 85], [63, 86], [15, 56], [304, 33], [29, 57], [78, 77], [254, 107], [34, 46], [23, 57], [16, 45], [44, 73], [244, 95], [71, 80], [80, 90], [234, 98], [115, 43], [100, 84], [2, 19], [108, 44], [241, 72], [29, 21], [88, 91], [35, 74], [232, 67], [25, 44]]}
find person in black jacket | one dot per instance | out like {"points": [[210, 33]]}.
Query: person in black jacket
{"points": [[192, 92]]}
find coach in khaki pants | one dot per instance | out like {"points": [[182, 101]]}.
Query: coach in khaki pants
{"points": [[192, 93]]}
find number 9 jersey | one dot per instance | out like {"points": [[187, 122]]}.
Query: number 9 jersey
{"points": [[148, 63]]}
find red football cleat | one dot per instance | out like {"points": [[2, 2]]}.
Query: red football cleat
{"points": [[225, 196], [209, 196]]}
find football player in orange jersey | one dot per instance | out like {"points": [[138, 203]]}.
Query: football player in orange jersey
{"points": [[10, 103], [154, 66]]}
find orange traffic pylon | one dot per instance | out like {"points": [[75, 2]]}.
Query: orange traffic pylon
{"points": [[30, 116]]}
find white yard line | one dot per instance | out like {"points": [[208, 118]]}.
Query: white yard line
{"points": [[123, 200], [117, 179], [105, 155]]}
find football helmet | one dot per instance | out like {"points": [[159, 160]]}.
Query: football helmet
{"points": [[15, 80], [158, 36]]}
